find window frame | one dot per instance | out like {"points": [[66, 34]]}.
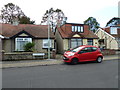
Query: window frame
{"points": [[21, 39], [113, 30], [88, 41], [76, 41], [46, 47], [77, 28]]}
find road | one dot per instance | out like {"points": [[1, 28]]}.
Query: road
{"points": [[83, 75]]}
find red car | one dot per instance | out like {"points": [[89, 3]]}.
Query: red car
{"points": [[83, 53]]}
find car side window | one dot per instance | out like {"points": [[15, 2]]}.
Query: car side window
{"points": [[94, 49], [86, 50]]}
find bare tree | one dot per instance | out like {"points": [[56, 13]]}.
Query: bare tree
{"points": [[10, 12], [55, 17]]}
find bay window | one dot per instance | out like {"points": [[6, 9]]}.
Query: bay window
{"points": [[76, 42], [20, 42]]}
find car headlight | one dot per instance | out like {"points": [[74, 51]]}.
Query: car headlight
{"points": [[71, 54]]}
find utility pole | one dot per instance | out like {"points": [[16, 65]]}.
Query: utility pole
{"points": [[48, 37]]}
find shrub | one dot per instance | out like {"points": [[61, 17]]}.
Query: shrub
{"points": [[29, 47]]}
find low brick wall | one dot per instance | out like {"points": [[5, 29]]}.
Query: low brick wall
{"points": [[17, 56], [108, 52], [24, 56]]}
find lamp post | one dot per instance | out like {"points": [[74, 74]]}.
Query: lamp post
{"points": [[52, 21], [48, 36]]}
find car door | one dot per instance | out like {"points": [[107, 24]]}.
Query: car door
{"points": [[94, 53], [85, 54]]}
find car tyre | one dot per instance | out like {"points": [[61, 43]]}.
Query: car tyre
{"points": [[74, 61], [99, 59]]}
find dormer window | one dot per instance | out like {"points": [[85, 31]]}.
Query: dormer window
{"points": [[113, 30], [77, 29]]}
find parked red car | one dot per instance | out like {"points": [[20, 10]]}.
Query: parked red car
{"points": [[83, 53]]}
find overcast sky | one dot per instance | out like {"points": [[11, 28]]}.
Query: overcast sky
{"points": [[76, 11]]}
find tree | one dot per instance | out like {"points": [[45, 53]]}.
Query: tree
{"points": [[55, 17], [25, 20], [92, 22], [29, 47], [113, 21], [10, 12]]}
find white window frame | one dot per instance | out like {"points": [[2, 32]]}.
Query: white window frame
{"points": [[73, 28], [21, 39], [113, 30], [90, 41], [82, 29], [77, 42], [76, 28], [46, 40], [79, 28]]}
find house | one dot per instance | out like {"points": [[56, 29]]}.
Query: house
{"points": [[71, 35], [16, 36], [109, 37]]}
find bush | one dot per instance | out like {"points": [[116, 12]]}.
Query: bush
{"points": [[29, 47]]}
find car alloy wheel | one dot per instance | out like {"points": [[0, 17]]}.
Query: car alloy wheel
{"points": [[99, 59]]}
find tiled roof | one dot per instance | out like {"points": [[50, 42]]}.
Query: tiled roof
{"points": [[38, 31], [66, 31], [107, 29]]}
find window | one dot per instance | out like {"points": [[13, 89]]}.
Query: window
{"points": [[73, 28], [94, 48], [20, 42], [76, 49], [77, 29], [86, 50], [90, 41], [113, 30], [76, 42], [81, 28], [45, 43]]}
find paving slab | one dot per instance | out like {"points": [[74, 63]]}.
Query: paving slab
{"points": [[28, 63]]}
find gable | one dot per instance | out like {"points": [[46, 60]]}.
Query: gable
{"points": [[76, 35], [23, 34]]}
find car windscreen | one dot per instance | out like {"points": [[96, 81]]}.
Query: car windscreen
{"points": [[76, 49]]}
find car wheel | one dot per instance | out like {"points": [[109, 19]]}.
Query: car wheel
{"points": [[99, 59], [74, 61]]}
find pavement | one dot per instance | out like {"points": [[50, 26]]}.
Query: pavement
{"points": [[46, 62]]}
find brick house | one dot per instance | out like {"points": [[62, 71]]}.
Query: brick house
{"points": [[71, 35]]}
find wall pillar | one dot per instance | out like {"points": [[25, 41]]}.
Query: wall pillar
{"points": [[1, 49]]}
